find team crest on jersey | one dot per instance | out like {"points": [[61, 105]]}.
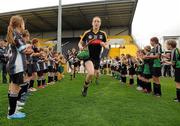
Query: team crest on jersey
{"points": [[90, 36], [95, 37], [100, 37]]}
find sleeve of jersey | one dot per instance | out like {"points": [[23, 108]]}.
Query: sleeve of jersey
{"points": [[173, 57], [158, 50], [84, 37], [105, 37], [20, 45]]}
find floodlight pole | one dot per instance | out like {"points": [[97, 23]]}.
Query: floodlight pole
{"points": [[59, 32]]}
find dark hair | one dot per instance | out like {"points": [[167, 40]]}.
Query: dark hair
{"points": [[155, 40], [34, 41], [172, 43], [96, 17]]}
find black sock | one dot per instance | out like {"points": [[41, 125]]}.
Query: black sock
{"points": [[86, 85], [74, 75], [55, 78], [112, 73], [39, 83], [12, 102], [143, 84], [49, 78], [159, 89], [20, 94], [26, 87], [71, 76], [149, 88], [124, 79], [23, 87], [52, 79], [178, 94], [155, 88], [131, 81], [31, 84], [23, 90], [138, 84], [43, 82], [121, 79]]}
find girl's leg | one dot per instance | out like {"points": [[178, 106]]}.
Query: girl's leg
{"points": [[90, 73]]}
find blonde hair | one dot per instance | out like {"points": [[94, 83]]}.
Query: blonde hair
{"points": [[147, 48], [15, 22]]}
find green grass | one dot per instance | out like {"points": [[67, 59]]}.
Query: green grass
{"points": [[107, 104]]}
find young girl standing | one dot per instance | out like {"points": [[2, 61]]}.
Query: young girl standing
{"points": [[156, 69], [175, 61], [16, 65]]}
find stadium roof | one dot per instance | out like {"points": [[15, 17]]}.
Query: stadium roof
{"points": [[114, 13]]}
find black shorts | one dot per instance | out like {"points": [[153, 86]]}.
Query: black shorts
{"points": [[17, 78], [156, 71], [112, 68], [34, 67], [29, 70], [96, 63], [177, 75], [132, 71], [40, 73], [139, 73], [75, 64], [109, 65], [123, 72], [55, 70], [50, 69], [147, 76], [45, 71]]}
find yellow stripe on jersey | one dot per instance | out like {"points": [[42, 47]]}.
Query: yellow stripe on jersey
{"points": [[84, 34], [104, 34]]}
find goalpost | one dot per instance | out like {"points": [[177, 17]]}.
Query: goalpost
{"points": [[59, 32]]}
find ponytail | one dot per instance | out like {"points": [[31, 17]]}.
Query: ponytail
{"points": [[15, 22], [9, 36]]}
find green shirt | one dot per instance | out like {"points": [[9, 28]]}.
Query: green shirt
{"points": [[175, 57], [147, 68], [157, 50], [140, 67]]}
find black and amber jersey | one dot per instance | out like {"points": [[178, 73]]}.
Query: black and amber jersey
{"points": [[93, 39]]}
